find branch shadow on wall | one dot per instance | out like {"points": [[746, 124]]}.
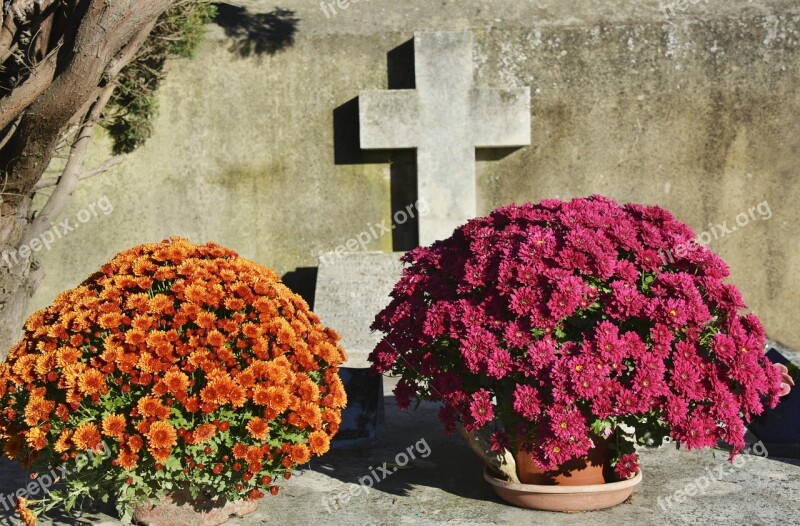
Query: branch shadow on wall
{"points": [[256, 34]]}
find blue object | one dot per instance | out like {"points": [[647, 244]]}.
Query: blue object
{"points": [[779, 428], [363, 418]]}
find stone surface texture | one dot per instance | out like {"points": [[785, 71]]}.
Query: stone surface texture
{"points": [[351, 289], [445, 118]]}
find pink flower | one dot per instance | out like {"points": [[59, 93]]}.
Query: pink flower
{"points": [[481, 408], [403, 392], [500, 363], [446, 383], [500, 442], [518, 334], [566, 424], [526, 401], [626, 301], [541, 354], [627, 466], [524, 300], [448, 416]]}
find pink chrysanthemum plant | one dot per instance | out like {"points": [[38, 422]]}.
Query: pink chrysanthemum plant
{"points": [[549, 327]]}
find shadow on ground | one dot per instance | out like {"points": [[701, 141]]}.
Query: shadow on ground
{"points": [[256, 33], [440, 461]]}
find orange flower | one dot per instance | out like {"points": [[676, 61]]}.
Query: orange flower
{"points": [[86, 436], [204, 433], [135, 443], [246, 379], [331, 416], [319, 442], [260, 395], [306, 389], [177, 382], [258, 428], [167, 315], [162, 436], [160, 454], [251, 330], [91, 382], [110, 320], [114, 425], [216, 338], [221, 390], [279, 370], [237, 396], [310, 413], [196, 294], [254, 454], [206, 320], [46, 363], [13, 446], [285, 334], [279, 398], [137, 302], [234, 304], [239, 451], [127, 362], [38, 410], [161, 304], [142, 323], [135, 336], [25, 366], [300, 453], [338, 392], [151, 406], [67, 356], [26, 515], [63, 442], [127, 459]]}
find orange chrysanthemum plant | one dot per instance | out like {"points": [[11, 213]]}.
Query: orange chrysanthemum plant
{"points": [[174, 366]]}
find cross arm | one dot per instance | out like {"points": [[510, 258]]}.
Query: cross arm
{"points": [[389, 119]]}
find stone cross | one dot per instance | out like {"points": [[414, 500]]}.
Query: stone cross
{"points": [[445, 119]]}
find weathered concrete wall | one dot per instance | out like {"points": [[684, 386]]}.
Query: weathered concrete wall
{"points": [[697, 114]]}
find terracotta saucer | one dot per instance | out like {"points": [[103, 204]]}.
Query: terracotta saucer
{"points": [[563, 498]]}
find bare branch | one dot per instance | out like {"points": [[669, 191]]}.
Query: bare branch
{"points": [[10, 134], [103, 168], [41, 77], [71, 174]]}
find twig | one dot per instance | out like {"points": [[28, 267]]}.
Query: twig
{"points": [[103, 168], [71, 174]]}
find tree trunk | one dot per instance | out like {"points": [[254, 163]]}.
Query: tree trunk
{"points": [[19, 277], [69, 86]]}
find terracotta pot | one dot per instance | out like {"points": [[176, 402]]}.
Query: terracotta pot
{"points": [[582, 471], [178, 509], [563, 498]]}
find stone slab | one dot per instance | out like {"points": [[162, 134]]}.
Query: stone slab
{"points": [[351, 289]]}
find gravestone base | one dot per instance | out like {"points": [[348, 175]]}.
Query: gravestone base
{"points": [[351, 289]]}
